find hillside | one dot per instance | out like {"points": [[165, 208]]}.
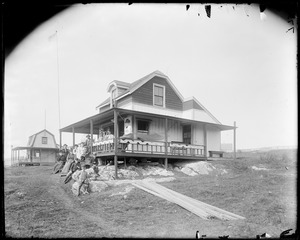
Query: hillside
{"points": [[259, 186]]}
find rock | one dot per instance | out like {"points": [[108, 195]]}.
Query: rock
{"points": [[188, 171], [97, 186], [83, 189]]}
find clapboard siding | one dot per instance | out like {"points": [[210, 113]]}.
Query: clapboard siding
{"points": [[144, 94], [213, 139], [124, 101], [198, 134]]}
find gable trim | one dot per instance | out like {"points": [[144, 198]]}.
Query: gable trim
{"points": [[212, 116]]}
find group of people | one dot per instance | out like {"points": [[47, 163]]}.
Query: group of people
{"points": [[72, 163]]}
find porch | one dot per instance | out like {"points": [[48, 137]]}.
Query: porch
{"points": [[134, 136], [142, 148]]}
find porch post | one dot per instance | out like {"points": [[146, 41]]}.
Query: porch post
{"points": [[91, 133], [134, 127], [73, 135], [60, 138], [205, 140], [234, 141], [116, 142], [166, 142]]}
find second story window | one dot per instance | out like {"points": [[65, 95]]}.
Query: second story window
{"points": [[44, 140], [158, 95]]}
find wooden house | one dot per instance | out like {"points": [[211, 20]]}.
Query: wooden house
{"points": [[41, 149], [149, 118]]}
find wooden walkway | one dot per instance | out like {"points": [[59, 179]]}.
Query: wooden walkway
{"points": [[201, 209]]}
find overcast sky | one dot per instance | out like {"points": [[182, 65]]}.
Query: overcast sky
{"points": [[239, 64]]}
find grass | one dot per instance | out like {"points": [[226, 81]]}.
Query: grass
{"points": [[38, 204]]}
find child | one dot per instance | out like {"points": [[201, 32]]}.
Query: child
{"points": [[82, 181]]}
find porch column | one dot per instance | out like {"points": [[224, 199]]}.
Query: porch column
{"points": [[166, 143], [134, 127], [73, 135], [205, 140], [60, 138], [116, 142], [234, 141], [91, 133]]}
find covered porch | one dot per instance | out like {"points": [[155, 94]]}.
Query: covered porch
{"points": [[125, 134], [31, 156]]}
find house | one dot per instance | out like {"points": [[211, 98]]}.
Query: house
{"points": [[150, 119], [41, 149]]}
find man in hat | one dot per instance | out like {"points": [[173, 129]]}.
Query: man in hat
{"points": [[88, 141]]}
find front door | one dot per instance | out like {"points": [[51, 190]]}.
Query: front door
{"points": [[187, 134]]}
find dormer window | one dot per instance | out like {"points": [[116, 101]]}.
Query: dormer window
{"points": [[158, 95], [113, 97]]}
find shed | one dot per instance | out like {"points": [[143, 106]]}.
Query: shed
{"points": [[41, 149]]}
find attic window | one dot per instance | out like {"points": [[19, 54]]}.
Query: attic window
{"points": [[113, 94], [44, 140], [113, 97], [158, 95]]}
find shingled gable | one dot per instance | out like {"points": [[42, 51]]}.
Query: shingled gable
{"points": [[188, 103], [137, 84]]}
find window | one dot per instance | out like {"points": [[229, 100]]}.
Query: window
{"points": [[186, 130], [37, 154], [143, 126], [44, 140], [158, 95], [113, 94]]}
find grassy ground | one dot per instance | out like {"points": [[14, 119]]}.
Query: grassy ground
{"points": [[39, 204]]}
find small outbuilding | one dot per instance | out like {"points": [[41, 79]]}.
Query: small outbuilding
{"points": [[41, 149]]}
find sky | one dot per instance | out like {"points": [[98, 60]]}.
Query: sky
{"points": [[240, 64]]}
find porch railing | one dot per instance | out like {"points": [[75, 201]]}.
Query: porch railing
{"points": [[158, 148]]}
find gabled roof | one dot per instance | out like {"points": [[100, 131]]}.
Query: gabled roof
{"points": [[119, 84], [32, 138], [197, 102], [138, 83]]}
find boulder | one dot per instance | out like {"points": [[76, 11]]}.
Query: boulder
{"points": [[97, 186]]}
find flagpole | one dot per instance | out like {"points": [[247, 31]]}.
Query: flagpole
{"points": [[45, 118], [57, 62]]}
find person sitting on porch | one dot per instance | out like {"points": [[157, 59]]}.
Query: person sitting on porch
{"points": [[88, 141], [101, 135]]}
